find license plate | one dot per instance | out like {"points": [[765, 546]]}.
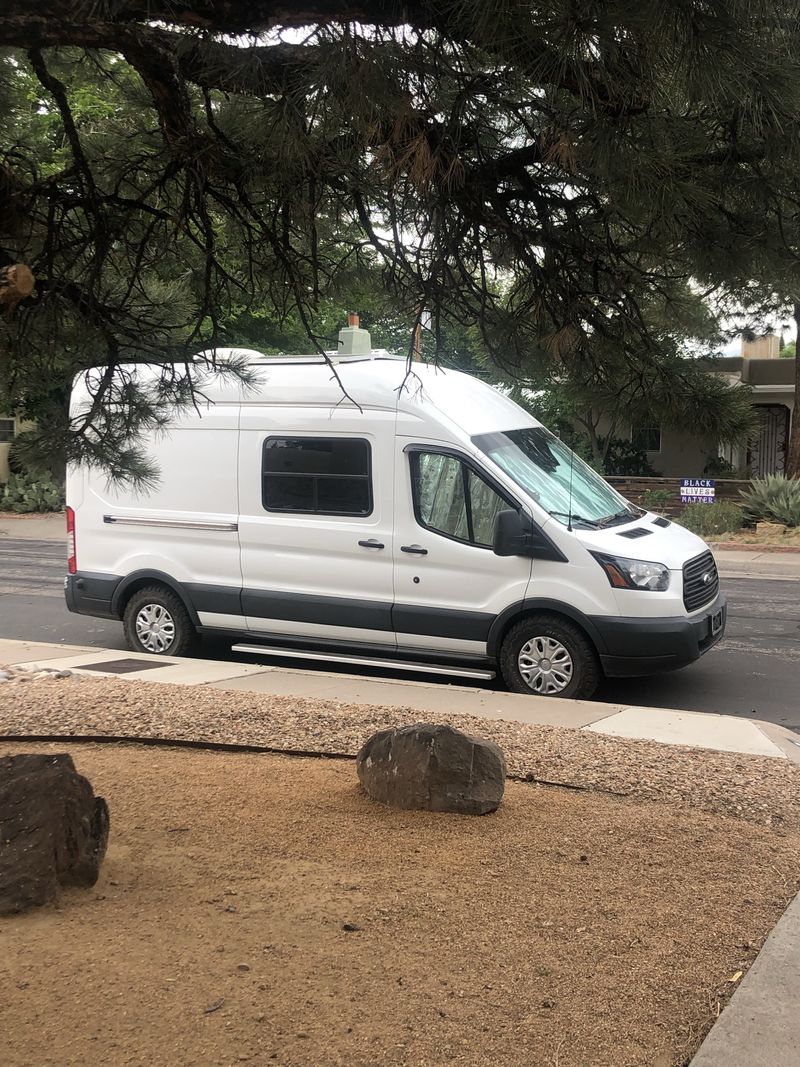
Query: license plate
{"points": [[716, 623]]}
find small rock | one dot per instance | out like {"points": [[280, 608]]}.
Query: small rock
{"points": [[215, 1006], [243, 967], [63, 674], [432, 768], [770, 528], [351, 927]]}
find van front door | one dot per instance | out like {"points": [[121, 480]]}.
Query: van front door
{"points": [[315, 525], [449, 584]]}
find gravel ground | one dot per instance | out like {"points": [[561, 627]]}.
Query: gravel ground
{"points": [[755, 788], [262, 909]]}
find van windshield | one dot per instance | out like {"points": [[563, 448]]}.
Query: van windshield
{"points": [[542, 466]]}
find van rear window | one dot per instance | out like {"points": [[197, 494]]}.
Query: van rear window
{"points": [[317, 475]]}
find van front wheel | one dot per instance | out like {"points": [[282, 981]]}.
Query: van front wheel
{"points": [[156, 622], [549, 656]]}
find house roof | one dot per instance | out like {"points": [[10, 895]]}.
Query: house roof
{"points": [[755, 371]]}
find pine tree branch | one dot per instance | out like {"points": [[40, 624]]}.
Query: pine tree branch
{"points": [[58, 91]]}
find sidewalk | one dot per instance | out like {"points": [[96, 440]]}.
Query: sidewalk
{"points": [[757, 563], [720, 733], [52, 527], [745, 562]]}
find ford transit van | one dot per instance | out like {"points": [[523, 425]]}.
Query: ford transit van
{"points": [[400, 517]]}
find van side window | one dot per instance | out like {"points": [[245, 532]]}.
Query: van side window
{"points": [[451, 499], [317, 475]]}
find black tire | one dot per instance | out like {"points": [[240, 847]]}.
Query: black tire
{"points": [[177, 635], [583, 675]]}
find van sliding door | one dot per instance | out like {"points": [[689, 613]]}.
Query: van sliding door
{"points": [[315, 523]]}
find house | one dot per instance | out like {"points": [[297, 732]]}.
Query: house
{"points": [[679, 454]]}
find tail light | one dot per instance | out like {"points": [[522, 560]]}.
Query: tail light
{"points": [[72, 552]]}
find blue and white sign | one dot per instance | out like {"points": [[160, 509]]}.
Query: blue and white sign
{"points": [[697, 491]]}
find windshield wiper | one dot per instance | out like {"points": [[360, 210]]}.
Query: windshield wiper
{"points": [[575, 518], [617, 518]]}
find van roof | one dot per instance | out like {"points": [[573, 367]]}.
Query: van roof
{"points": [[447, 398], [251, 355]]}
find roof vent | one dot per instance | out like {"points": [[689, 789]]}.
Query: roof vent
{"points": [[353, 341]]}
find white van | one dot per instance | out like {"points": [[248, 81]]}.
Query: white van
{"points": [[416, 518]]}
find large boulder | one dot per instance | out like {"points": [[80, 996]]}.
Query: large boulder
{"points": [[434, 768], [53, 830]]}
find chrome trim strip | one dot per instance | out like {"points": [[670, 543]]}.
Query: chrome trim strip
{"points": [[177, 524], [387, 664]]}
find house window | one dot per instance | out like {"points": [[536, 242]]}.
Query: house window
{"points": [[451, 499], [646, 438], [6, 430], [317, 475]]}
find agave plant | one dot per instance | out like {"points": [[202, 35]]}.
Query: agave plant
{"points": [[773, 499]]}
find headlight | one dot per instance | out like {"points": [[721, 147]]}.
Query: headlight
{"points": [[634, 573]]}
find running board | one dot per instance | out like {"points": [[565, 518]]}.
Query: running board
{"points": [[364, 661]]}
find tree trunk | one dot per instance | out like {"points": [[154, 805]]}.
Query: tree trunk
{"points": [[590, 425], [793, 455]]}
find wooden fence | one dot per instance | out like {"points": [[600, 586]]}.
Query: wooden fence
{"points": [[634, 489]]}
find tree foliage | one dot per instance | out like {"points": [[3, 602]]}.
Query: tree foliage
{"points": [[547, 178], [617, 390]]}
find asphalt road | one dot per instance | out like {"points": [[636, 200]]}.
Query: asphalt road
{"points": [[754, 672]]}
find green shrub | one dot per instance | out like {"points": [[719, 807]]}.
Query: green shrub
{"points": [[22, 493], [717, 467], [773, 499], [626, 460], [656, 499], [711, 520]]}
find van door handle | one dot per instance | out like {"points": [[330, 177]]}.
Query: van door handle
{"points": [[414, 550], [372, 543]]}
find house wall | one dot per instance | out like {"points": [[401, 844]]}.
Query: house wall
{"points": [[682, 455]]}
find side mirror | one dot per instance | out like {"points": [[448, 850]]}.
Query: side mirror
{"points": [[511, 535]]}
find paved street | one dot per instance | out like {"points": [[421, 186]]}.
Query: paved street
{"points": [[755, 672]]}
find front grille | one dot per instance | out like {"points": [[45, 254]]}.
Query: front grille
{"points": [[700, 581]]}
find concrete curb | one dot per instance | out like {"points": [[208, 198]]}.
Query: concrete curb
{"points": [[761, 1025], [698, 730]]}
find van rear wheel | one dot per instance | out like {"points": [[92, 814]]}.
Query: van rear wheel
{"points": [[157, 622], [549, 656]]}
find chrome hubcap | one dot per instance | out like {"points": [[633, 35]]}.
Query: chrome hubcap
{"points": [[155, 628], [545, 665]]}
